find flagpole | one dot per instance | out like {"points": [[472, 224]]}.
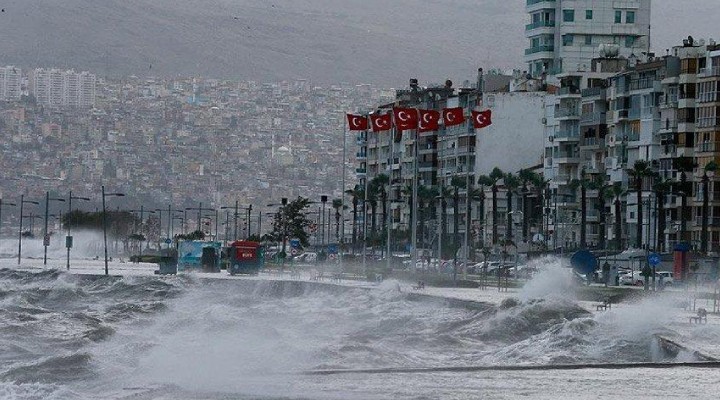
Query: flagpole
{"points": [[365, 200], [468, 209], [341, 239], [413, 254], [388, 223]]}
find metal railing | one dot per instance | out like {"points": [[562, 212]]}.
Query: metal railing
{"points": [[596, 117], [540, 24], [569, 90], [533, 2], [594, 91], [538, 49], [566, 112]]}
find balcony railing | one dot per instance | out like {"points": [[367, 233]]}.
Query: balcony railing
{"points": [[596, 118], [715, 71], [595, 91], [533, 2], [640, 84], [538, 49], [361, 155], [566, 112], [708, 122], [540, 24], [427, 165], [712, 221], [591, 141], [569, 90], [361, 171], [708, 147], [669, 124]]}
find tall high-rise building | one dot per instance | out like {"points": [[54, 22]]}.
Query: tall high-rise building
{"points": [[58, 88], [10, 83], [565, 35]]}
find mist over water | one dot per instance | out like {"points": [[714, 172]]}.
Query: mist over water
{"points": [[86, 245], [72, 337]]}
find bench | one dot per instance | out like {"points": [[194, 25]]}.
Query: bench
{"points": [[606, 305], [420, 285], [700, 318]]}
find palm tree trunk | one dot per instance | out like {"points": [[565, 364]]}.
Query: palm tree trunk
{"points": [[494, 215], [706, 200], [384, 211], [583, 217], [456, 219], [421, 226], [509, 230], [660, 221], [618, 225], [354, 234], [602, 231], [373, 221], [443, 227], [525, 214], [638, 231]]}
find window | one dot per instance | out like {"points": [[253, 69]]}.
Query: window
{"points": [[618, 16], [629, 41], [630, 17], [588, 40], [588, 14], [568, 40], [568, 15]]}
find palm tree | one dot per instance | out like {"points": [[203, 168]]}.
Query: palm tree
{"points": [[683, 165], [478, 195], [456, 183], [709, 167], [640, 170], [337, 204], [526, 177], [617, 193], [541, 186], [372, 199], [426, 196], [380, 182], [492, 181], [661, 187], [582, 183], [358, 194], [512, 183], [600, 183]]}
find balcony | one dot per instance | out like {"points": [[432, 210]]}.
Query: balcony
{"points": [[539, 24], [361, 156], [668, 126], [426, 166], [593, 118], [566, 158], [567, 113], [712, 221], [591, 142], [539, 49], [361, 171], [595, 91], [569, 91], [533, 2], [708, 147], [572, 135], [536, 5]]}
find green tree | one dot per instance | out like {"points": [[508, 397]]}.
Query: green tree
{"points": [[357, 194], [291, 221], [582, 184], [492, 181], [683, 165], [512, 183], [640, 170], [604, 188], [337, 205]]}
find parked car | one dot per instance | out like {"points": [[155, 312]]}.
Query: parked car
{"points": [[637, 279]]}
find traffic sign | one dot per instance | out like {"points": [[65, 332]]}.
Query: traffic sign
{"points": [[584, 262], [46, 240], [68, 242], [653, 259], [168, 241]]}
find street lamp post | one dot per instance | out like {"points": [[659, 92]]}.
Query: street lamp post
{"points": [[199, 210], [22, 203], [104, 216], [1, 206], [142, 212], [323, 200], [68, 239], [46, 236]]}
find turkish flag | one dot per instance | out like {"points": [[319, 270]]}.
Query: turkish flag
{"points": [[482, 119], [453, 116], [429, 120], [406, 118], [380, 122], [357, 122]]}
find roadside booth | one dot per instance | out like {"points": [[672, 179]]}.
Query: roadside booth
{"points": [[245, 257], [198, 256]]}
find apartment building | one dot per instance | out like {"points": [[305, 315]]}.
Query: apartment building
{"points": [[10, 83], [564, 35], [57, 88]]}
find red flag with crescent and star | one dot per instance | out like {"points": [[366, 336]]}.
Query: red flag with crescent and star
{"points": [[405, 118], [453, 116], [482, 119], [429, 120], [380, 123], [357, 122]]}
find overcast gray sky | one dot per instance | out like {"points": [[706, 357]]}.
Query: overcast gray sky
{"points": [[376, 41]]}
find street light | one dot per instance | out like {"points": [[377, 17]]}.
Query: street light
{"points": [[104, 214], [68, 238], [199, 209], [142, 212], [22, 203], [46, 237], [236, 215], [281, 212], [1, 206]]}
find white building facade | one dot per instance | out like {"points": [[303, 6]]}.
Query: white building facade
{"points": [[58, 88], [565, 35], [10, 83]]}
